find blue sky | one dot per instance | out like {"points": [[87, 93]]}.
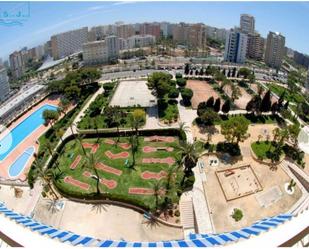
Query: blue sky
{"points": [[48, 18]]}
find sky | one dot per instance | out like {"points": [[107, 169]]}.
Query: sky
{"points": [[48, 18]]}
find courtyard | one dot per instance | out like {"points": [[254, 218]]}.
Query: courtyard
{"points": [[126, 95]]}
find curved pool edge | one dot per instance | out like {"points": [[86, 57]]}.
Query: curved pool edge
{"points": [[29, 155]]}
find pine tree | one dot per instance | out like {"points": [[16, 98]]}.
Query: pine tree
{"points": [[210, 102], [217, 105], [266, 102], [226, 106]]}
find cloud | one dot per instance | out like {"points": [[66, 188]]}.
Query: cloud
{"points": [[94, 8], [124, 2]]}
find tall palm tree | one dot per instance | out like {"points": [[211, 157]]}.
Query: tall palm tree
{"points": [[189, 156], [46, 175], [79, 139], [91, 162], [117, 116], [134, 147], [157, 186]]}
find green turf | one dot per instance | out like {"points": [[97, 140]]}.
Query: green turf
{"points": [[289, 96], [260, 149], [129, 177]]}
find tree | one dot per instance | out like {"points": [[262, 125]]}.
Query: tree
{"points": [[226, 107], [50, 117], [274, 108], [217, 105], [186, 95], [46, 175], [237, 214], [181, 82], [137, 119], [286, 105], [201, 108], [134, 147], [116, 117], [266, 102], [174, 93], [209, 117], [160, 82], [293, 134], [210, 102], [91, 161], [236, 93], [187, 68], [64, 105], [235, 129], [189, 157]]}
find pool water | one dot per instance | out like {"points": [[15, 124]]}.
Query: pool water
{"points": [[20, 163], [24, 129]]}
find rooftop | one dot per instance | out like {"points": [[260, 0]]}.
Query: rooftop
{"points": [[24, 93]]}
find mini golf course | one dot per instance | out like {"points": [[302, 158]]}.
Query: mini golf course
{"points": [[118, 179]]}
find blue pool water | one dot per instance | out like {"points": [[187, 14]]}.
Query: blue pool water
{"points": [[25, 128], [19, 165]]}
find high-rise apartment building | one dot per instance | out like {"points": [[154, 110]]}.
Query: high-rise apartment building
{"points": [[255, 46], [68, 43], [190, 34], [274, 50], [235, 47], [166, 29], [247, 24], [150, 29], [4, 84], [125, 31], [17, 64], [301, 59], [99, 52], [216, 34]]}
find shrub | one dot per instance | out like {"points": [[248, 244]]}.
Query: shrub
{"points": [[178, 76], [230, 148], [181, 82], [188, 183], [174, 93], [237, 214], [177, 213], [187, 94]]}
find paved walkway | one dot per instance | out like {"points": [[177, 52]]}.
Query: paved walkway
{"points": [[200, 205]]}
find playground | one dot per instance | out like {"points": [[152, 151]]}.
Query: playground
{"points": [[238, 182], [109, 164]]}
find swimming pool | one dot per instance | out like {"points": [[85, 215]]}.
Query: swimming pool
{"points": [[20, 163], [24, 129]]}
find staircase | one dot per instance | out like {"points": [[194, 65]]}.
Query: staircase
{"points": [[187, 213]]}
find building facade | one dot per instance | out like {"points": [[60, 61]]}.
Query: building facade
{"points": [[190, 34], [255, 47], [4, 84], [139, 41], [100, 52], [301, 59], [68, 43], [274, 52], [125, 31], [17, 64], [247, 24], [150, 29], [236, 47]]}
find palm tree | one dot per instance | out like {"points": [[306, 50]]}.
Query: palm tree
{"points": [[64, 105], [79, 138], [46, 175], [116, 117], [260, 90], [91, 162], [134, 147], [157, 186], [170, 177], [189, 156], [183, 129]]}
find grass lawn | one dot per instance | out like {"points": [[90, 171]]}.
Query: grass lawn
{"points": [[260, 149], [289, 96], [130, 177], [93, 115], [253, 119]]}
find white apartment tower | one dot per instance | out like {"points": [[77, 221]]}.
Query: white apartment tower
{"points": [[247, 24], [68, 43], [274, 49], [4, 84], [236, 47]]}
